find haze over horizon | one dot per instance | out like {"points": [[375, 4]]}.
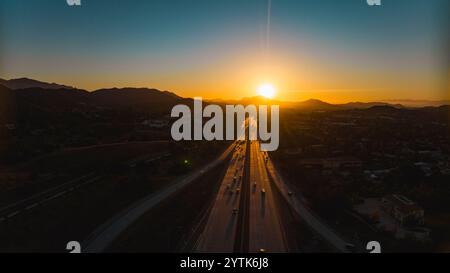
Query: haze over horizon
{"points": [[333, 52], [24, 83]]}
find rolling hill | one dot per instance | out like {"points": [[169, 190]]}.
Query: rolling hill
{"points": [[36, 96], [23, 83], [48, 101]]}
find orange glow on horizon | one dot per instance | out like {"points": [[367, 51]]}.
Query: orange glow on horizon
{"points": [[241, 75]]}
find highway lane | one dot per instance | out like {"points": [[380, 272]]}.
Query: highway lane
{"points": [[295, 201], [45, 196], [107, 233], [221, 227], [256, 225], [265, 227], [12, 210]]}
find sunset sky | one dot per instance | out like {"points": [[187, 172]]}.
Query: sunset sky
{"points": [[332, 50]]}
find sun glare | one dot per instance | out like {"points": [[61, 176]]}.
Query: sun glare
{"points": [[267, 90]]}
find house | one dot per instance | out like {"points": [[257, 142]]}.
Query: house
{"points": [[405, 211]]}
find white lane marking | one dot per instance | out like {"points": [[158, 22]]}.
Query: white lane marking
{"points": [[44, 192], [32, 206], [11, 215], [55, 196]]}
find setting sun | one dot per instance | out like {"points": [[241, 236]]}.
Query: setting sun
{"points": [[267, 90]]}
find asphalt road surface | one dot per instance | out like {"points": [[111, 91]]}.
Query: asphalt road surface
{"points": [[30, 203], [295, 200], [107, 233], [220, 230], [265, 229], [244, 216]]}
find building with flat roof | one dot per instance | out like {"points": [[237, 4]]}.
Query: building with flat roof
{"points": [[405, 211]]}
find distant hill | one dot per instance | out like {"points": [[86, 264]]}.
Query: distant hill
{"points": [[421, 103], [308, 105], [37, 101], [34, 95], [316, 105], [141, 98], [24, 83], [366, 105], [319, 105], [59, 100], [383, 109], [257, 100], [8, 107], [246, 101]]}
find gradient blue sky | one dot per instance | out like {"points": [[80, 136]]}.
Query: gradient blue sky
{"points": [[336, 50]]}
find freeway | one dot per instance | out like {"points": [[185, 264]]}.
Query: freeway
{"points": [[266, 230], [107, 233], [249, 222], [221, 227], [30, 203], [295, 201]]}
